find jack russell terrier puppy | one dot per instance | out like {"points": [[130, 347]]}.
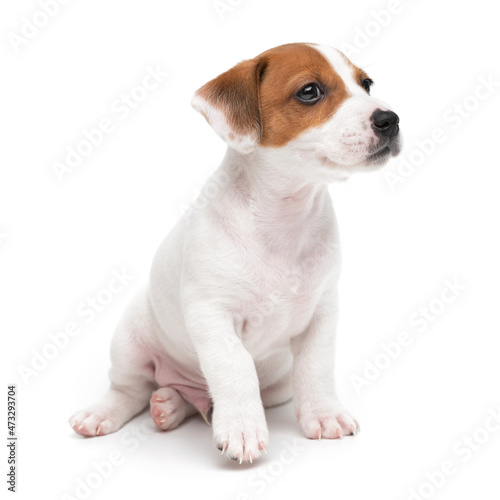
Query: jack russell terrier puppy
{"points": [[241, 309]]}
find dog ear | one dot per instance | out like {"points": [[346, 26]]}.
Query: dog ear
{"points": [[230, 104]]}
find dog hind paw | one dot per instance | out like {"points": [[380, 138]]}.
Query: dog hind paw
{"points": [[167, 408]]}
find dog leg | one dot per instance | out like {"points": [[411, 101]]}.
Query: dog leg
{"points": [[238, 420], [131, 376], [316, 404]]}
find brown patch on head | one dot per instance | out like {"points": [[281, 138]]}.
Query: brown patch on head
{"points": [[288, 69]]}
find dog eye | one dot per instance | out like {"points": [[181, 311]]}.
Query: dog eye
{"points": [[309, 94], [367, 84]]}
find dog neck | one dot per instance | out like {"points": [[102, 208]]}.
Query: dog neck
{"points": [[284, 211]]}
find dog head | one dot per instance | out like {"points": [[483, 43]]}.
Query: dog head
{"points": [[305, 104]]}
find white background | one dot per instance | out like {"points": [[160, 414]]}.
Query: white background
{"points": [[60, 242]]}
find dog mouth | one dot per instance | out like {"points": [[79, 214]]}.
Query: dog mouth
{"points": [[391, 148], [380, 154]]}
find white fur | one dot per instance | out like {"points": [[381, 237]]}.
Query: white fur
{"points": [[243, 292]]}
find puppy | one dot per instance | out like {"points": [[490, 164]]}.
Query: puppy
{"points": [[241, 309]]}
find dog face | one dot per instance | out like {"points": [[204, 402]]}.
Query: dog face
{"points": [[307, 105]]}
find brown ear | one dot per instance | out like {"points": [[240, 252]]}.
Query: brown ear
{"points": [[230, 103]]}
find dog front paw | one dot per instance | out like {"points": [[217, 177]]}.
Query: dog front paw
{"points": [[330, 422], [241, 436]]}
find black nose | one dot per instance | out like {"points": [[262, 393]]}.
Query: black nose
{"points": [[385, 123]]}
